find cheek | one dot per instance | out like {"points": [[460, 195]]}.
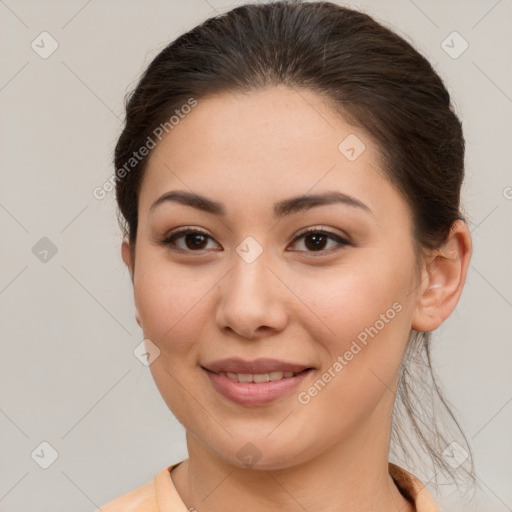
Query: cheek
{"points": [[171, 302], [354, 304], [361, 360], [363, 333]]}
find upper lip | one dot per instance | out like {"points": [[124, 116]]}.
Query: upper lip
{"points": [[236, 365]]}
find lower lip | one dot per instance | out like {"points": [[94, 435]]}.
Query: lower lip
{"points": [[255, 393]]}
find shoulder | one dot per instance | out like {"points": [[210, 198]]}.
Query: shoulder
{"points": [[141, 499], [158, 494], [412, 488]]}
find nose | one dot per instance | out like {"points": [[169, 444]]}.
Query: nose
{"points": [[252, 300]]}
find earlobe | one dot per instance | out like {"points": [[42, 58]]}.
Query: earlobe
{"points": [[443, 278]]}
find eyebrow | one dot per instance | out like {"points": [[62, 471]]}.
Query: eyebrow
{"points": [[281, 208]]}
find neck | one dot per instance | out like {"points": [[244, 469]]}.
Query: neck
{"points": [[352, 475]]}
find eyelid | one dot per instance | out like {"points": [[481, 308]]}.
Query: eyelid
{"points": [[167, 239], [341, 240], [324, 230]]}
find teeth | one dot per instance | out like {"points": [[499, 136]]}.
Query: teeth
{"points": [[261, 377], [257, 377]]}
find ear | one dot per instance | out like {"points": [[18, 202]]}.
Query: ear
{"points": [[126, 254], [443, 277]]}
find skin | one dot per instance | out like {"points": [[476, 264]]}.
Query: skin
{"points": [[292, 303]]}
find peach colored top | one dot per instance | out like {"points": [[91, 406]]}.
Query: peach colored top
{"points": [[160, 495]]}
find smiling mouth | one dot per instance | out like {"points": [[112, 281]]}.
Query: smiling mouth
{"points": [[260, 377], [256, 389], [255, 382]]}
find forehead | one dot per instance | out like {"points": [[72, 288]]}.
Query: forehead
{"points": [[262, 146], [265, 123]]}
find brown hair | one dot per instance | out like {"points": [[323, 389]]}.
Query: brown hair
{"points": [[375, 80]]}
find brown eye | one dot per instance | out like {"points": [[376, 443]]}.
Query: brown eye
{"points": [[194, 240], [315, 240]]}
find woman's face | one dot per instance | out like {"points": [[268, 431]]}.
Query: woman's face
{"points": [[251, 287]]}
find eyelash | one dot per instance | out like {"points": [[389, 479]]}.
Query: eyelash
{"points": [[170, 239]]}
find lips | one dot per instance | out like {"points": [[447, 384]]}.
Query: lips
{"points": [[255, 383], [255, 367]]}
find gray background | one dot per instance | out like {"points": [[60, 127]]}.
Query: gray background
{"points": [[67, 369]]}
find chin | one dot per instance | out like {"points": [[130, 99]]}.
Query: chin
{"points": [[260, 453]]}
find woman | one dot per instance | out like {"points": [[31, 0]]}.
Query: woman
{"points": [[289, 182]]}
